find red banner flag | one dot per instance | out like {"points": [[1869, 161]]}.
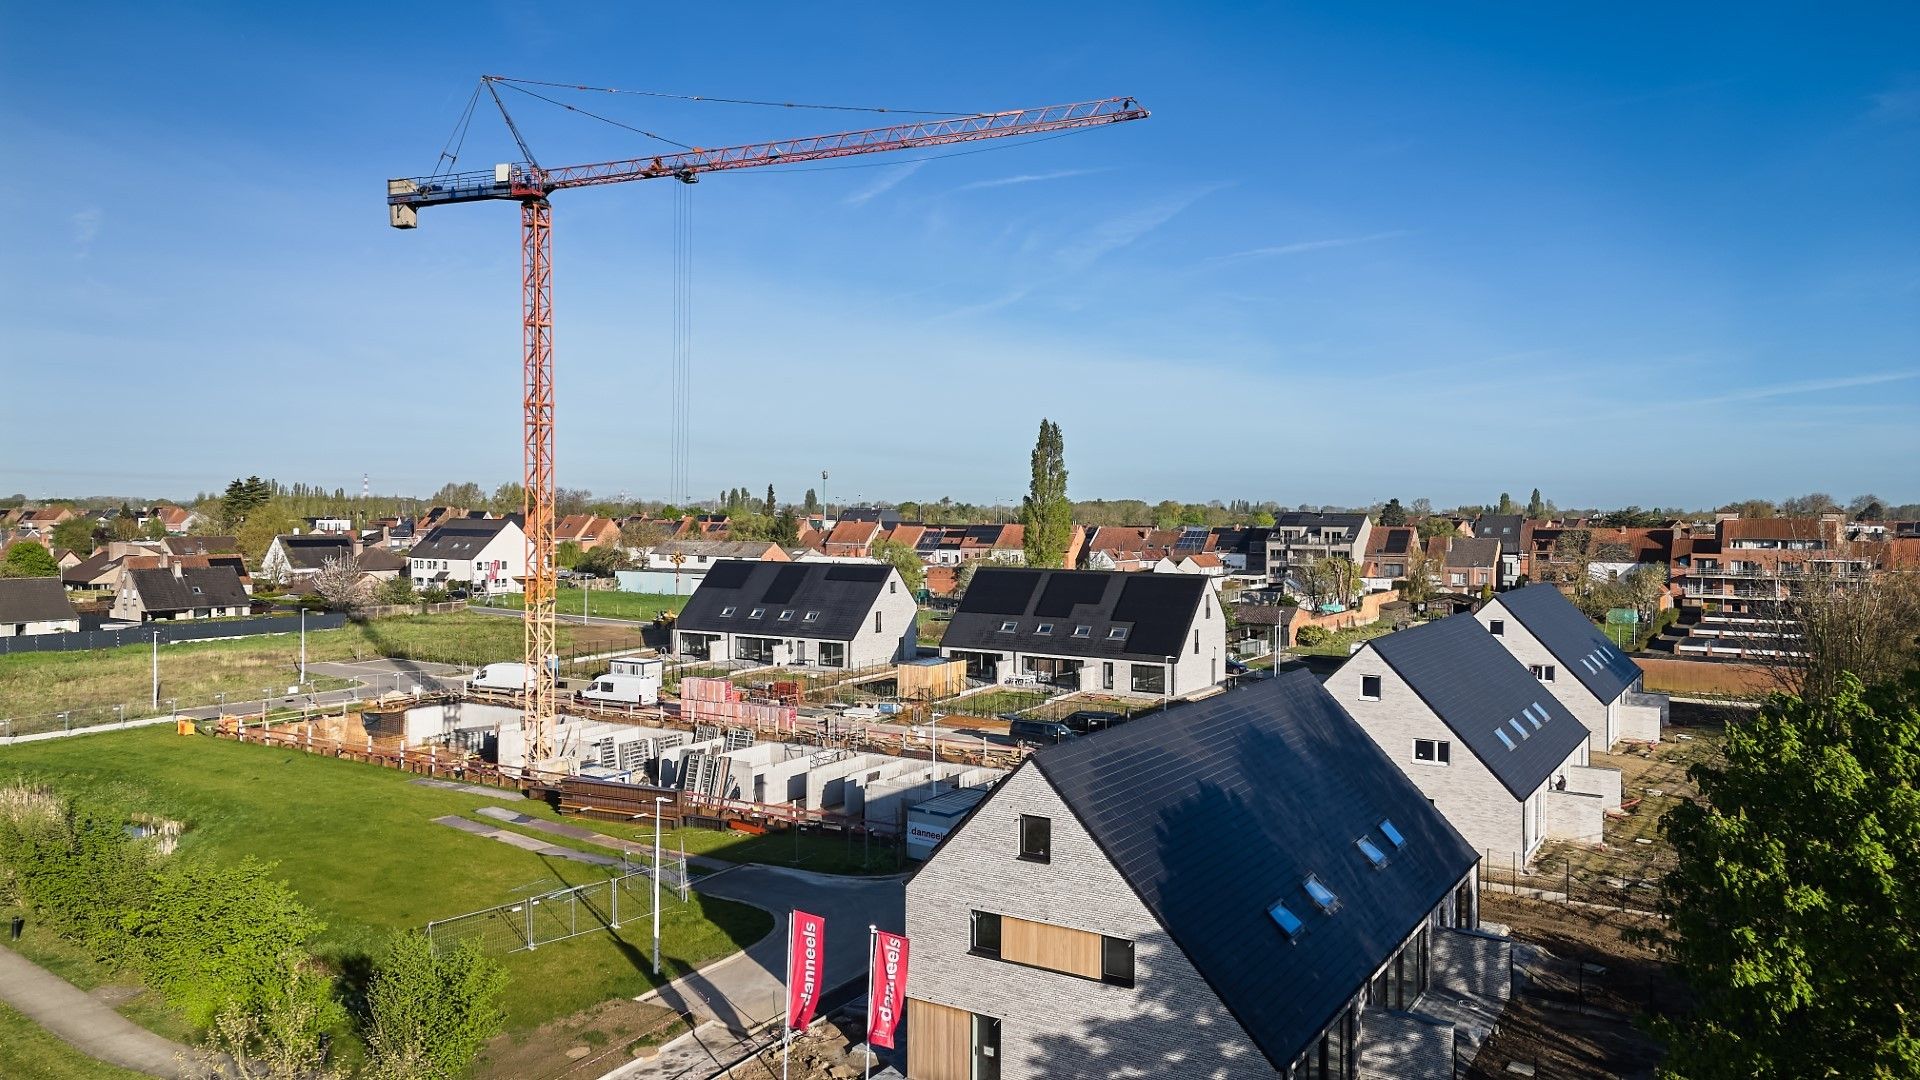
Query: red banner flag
{"points": [[806, 967], [886, 988]]}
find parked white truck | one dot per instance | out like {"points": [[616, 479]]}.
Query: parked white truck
{"points": [[500, 678], [630, 680]]}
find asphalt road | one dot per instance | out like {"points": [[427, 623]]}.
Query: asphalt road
{"points": [[375, 677]]}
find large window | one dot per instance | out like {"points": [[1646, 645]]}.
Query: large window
{"points": [[1404, 978], [1149, 679], [984, 936], [833, 654], [1432, 751], [758, 649], [1369, 688], [1036, 838], [1331, 1056]]}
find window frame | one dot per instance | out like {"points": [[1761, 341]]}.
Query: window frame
{"points": [[1497, 627], [1109, 970], [1041, 853], [975, 920], [1440, 752], [1379, 683]]}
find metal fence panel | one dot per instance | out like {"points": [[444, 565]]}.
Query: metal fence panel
{"points": [[171, 632]]}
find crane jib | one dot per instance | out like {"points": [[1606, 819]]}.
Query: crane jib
{"points": [[522, 181]]}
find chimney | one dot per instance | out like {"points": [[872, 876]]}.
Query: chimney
{"points": [[175, 563]]}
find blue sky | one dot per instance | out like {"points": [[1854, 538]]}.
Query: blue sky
{"points": [[1358, 251]]}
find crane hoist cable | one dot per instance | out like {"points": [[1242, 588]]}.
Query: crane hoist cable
{"points": [[597, 116], [457, 139], [732, 101]]}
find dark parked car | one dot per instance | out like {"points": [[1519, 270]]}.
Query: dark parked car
{"points": [[1087, 721], [1039, 732], [1236, 667]]}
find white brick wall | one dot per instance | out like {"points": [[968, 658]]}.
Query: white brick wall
{"points": [[1169, 1024], [1566, 686]]}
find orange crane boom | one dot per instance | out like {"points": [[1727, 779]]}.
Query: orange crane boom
{"points": [[529, 184]]}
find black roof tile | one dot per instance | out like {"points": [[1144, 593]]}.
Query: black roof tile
{"points": [[1570, 636], [1156, 611], [840, 595]]}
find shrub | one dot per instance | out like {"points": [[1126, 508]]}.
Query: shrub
{"points": [[215, 935], [429, 1010], [1310, 636]]}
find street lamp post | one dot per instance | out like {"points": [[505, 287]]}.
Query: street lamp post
{"points": [[156, 669], [303, 646]]}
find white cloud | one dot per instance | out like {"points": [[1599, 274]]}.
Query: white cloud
{"points": [[1030, 178], [86, 227], [1303, 246], [889, 178]]}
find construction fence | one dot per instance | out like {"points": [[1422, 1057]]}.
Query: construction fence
{"points": [[517, 926], [169, 632]]}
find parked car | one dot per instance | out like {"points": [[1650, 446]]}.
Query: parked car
{"points": [[1088, 721], [1236, 666], [1040, 732]]}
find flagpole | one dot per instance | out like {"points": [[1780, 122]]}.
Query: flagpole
{"points": [[786, 1026], [866, 1066]]}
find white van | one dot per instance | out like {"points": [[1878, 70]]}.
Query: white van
{"points": [[500, 678], [613, 689]]}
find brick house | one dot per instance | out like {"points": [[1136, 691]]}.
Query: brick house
{"points": [[1240, 887], [1496, 751], [824, 614]]}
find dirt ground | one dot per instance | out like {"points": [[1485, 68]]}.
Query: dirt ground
{"points": [[579, 1047], [1581, 1012], [822, 1054]]}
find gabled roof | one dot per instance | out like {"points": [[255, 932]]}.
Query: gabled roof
{"points": [[1476, 687], [310, 551], [1572, 638], [199, 545], [1477, 552], [160, 590], [1509, 529], [461, 538], [378, 559], [1155, 611], [88, 569], [34, 599], [838, 596], [1215, 811]]}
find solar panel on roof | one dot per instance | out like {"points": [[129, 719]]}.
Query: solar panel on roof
{"points": [[1000, 592], [786, 580], [727, 574], [858, 572], [1396, 543], [1064, 591]]}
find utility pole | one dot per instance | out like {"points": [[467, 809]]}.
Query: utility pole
{"points": [[303, 646], [156, 669]]}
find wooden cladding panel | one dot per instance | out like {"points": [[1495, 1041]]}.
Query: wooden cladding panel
{"points": [[1056, 948], [939, 1041]]}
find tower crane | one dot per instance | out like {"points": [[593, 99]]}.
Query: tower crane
{"points": [[530, 184]]}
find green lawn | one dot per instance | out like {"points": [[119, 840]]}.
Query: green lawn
{"points": [[993, 702], [357, 843], [28, 1051], [820, 852], [609, 603], [90, 684]]}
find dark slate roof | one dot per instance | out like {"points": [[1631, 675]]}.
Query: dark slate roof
{"points": [[200, 545], [1571, 637], [378, 559], [1477, 552], [1505, 528], [1296, 518], [842, 594], [1216, 810], [219, 587], [1156, 610], [460, 538], [311, 552], [34, 599], [1475, 685]]}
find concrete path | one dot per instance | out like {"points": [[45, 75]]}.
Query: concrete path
{"points": [[524, 842], [91, 1027], [746, 990]]}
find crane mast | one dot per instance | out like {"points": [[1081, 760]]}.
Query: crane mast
{"points": [[529, 184]]}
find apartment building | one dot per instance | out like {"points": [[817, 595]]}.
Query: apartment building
{"points": [[1299, 538]]}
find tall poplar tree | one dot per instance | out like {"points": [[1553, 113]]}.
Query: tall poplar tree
{"points": [[1045, 512]]}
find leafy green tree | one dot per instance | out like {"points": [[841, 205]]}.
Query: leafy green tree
{"points": [[566, 554], [1393, 513], [786, 528], [29, 558], [395, 590], [508, 498], [155, 529], [904, 559], [963, 577], [430, 1010], [1046, 511], [75, 535], [603, 561], [1435, 525], [1536, 506], [1792, 912], [1506, 504], [1261, 519], [1166, 513], [263, 523], [242, 498]]}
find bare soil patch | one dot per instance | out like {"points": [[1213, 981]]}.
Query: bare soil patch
{"points": [[587, 1044]]}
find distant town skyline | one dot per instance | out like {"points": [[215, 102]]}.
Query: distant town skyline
{"points": [[1355, 253]]}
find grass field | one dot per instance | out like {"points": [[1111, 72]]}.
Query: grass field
{"points": [[92, 683], [358, 844], [609, 603], [26, 1050], [1338, 643], [992, 702]]}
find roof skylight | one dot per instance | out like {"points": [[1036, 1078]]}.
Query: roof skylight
{"points": [[1392, 834], [1505, 739], [1372, 851], [1519, 728], [1322, 895], [1289, 923]]}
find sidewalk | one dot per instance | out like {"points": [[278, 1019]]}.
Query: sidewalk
{"points": [[94, 1029]]}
